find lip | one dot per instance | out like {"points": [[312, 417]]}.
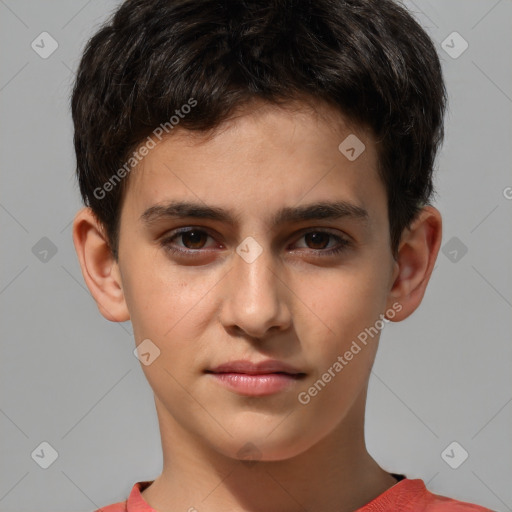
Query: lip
{"points": [[263, 367], [256, 379]]}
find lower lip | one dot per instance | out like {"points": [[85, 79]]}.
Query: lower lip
{"points": [[256, 385]]}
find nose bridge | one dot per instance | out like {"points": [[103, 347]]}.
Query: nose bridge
{"points": [[255, 298], [254, 269]]}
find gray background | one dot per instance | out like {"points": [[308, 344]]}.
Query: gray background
{"points": [[69, 377]]}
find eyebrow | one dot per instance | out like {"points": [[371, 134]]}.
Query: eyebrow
{"points": [[324, 210]]}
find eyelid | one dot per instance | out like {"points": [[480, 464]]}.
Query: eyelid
{"points": [[301, 232], [175, 233], [334, 232], [343, 240], [314, 229]]}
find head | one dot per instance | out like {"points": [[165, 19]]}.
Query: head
{"points": [[244, 109]]}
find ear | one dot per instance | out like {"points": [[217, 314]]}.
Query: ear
{"points": [[415, 261], [99, 268]]}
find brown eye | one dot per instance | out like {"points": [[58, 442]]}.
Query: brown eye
{"points": [[319, 243], [318, 239], [192, 239]]}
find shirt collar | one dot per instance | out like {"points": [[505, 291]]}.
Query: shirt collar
{"points": [[136, 503]]}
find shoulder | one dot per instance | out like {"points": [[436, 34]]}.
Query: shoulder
{"points": [[417, 497], [439, 503], [115, 507], [134, 503], [411, 495]]}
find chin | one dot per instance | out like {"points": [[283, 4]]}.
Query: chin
{"points": [[253, 442]]}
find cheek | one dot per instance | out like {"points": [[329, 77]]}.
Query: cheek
{"points": [[167, 305], [168, 309], [336, 324], [336, 306], [170, 305], [150, 290]]}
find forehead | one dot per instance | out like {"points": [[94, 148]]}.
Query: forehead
{"points": [[262, 158]]}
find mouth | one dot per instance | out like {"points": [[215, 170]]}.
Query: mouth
{"points": [[256, 379]]}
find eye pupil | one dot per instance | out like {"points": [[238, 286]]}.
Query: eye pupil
{"points": [[195, 237], [194, 240], [317, 238]]}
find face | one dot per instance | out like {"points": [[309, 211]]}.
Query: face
{"points": [[233, 278]]}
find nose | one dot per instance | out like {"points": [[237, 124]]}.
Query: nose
{"points": [[256, 295]]}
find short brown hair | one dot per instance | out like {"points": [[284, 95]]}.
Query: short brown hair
{"points": [[368, 58]]}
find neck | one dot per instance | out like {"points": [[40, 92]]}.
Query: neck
{"points": [[335, 475]]}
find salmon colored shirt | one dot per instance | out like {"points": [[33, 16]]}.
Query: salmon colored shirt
{"points": [[405, 496]]}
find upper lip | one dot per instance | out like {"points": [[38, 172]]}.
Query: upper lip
{"points": [[267, 366]]}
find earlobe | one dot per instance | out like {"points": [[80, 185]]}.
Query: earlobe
{"points": [[416, 257], [99, 268]]}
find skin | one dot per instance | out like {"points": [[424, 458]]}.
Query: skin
{"points": [[290, 303]]}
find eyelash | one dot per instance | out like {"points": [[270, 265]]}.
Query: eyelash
{"points": [[343, 243]]}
